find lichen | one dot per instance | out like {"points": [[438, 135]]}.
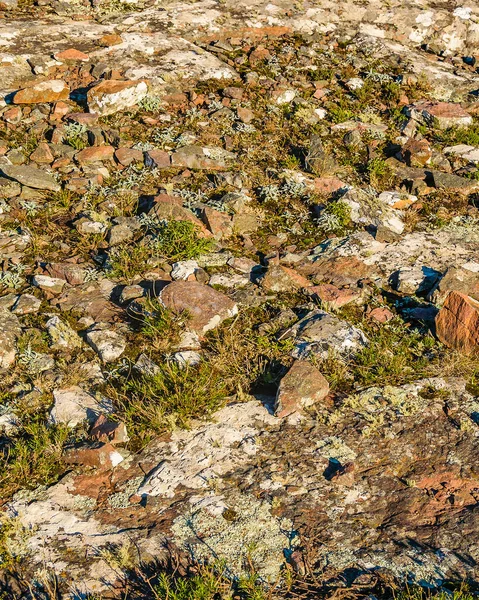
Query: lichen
{"points": [[244, 535]]}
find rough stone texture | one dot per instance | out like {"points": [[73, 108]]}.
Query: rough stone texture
{"points": [[72, 406], [109, 345], [302, 386], [31, 177], [46, 91], [10, 329], [457, 323], [109, 97], [206, 307]]}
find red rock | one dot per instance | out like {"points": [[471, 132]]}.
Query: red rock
{"points": [[95, 154], [128, 156], [328, 185], [340, 271], [245, 114], [46, 91], [158, 159], [42, 154], [302, 386], [445, 114], [219, 223], [59, 111], [457, 323], [13, 115], [106, 430], [381, 314], [83, 118], [206, 307], [334, 296], [71, 54], [104, 457]]}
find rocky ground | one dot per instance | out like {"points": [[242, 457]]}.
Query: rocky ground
{"points": [[239, 299]]}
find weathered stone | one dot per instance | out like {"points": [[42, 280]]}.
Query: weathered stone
{"points": [[108, 344], [444, 114], [49, 284], [457, 323], [109, 96], [128, 156], [46, 91], [95, 154], [196, 157], [103, 457], [459, 279], [283, 279], [107, 430], [71, 55], [62, 336], [333, 296], [455, 183], [302, 386], [206, 307], [10, 330], [416, 153], [31, 177], [42, 154], [415, 280], [73, 405], [26, 304]]}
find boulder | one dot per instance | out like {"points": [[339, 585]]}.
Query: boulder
{"points": [[457, 323]]}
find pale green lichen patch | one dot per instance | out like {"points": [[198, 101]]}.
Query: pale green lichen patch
{"points": [[243, 534]]}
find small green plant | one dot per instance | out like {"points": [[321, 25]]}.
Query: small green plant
{"points": [[34, 457], [74, 134], [379, 172], [150, 103], [180, 240], [335, 218]]}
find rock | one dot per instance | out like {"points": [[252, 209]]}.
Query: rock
{"points": [[62, 336], [415, 280], [416, 153], [108, 344], [129, 156], [73, 405], [283, 279], [443, 114], [110, 96], [469, 153], [10, 330], [95, 154], [157, 159], [49, 284], [110, 39], [103, 457], [26, 304], [42, 154], [107, 430], [457, 323], [459, 279], [455, 183], [338, 271], [46, 91], [183, 269], [319, 333], [131, 292], [187, 358], [333, 296], [196, 157], [31, 177], [206, 307], [71, 55], [302, 386]]}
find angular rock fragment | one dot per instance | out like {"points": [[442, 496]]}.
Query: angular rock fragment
{"points": [[108, 344], [457, 323], [73, 405], [110, 96], [206, 307], [31, 177], [302, 386], [46, 91]]}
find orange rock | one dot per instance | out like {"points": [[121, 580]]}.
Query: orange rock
{"points": [[111, 96], [47, 91], [71, 54], [381, 314], [457, 323], [328, 185], [42, 154], [110, 39]]}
